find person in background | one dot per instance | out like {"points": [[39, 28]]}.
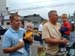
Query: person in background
{"points": [[52, 36], [40, 30], [40, 48], [72, 40], [13, 38], [65, 31], [28, 37], [65, 27]]}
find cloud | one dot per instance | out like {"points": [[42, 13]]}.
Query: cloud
{"points": [[48, 5]]}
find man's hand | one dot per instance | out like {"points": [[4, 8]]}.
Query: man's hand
{"points": [[64, 41], [53, 41], [14, 48]]}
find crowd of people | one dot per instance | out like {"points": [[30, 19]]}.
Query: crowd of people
{"points": [[55, 39]]}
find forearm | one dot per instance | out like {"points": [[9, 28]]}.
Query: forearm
{"points": [[62, 42], [8, 50], [14, 48], [52, 41]]}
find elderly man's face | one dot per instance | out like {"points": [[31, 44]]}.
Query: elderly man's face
{"points": [[54, 17]]}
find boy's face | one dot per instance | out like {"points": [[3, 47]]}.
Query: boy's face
{"points": [[64, 18], [29, 28]]}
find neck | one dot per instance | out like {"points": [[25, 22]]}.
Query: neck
{"points": [[16, 29], [54, 23], [64, 21]]}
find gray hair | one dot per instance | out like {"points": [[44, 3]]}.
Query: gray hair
{"points": [[49, 13]]}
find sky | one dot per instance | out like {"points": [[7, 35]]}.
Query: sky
{"points": [[41, 7]]}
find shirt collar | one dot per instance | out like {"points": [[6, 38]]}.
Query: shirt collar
{"points": [[14, 30]]}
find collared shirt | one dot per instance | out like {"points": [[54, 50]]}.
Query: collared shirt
{"points": [[50, 30], [11, 38]]}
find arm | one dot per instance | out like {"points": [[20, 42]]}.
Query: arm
{"points": [[49, 39], [7, 45], [52, 40], [27, 36], [14, 48], [56, 41]]}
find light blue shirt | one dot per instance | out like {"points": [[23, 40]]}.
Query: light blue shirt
{"points": [[11, 38]]}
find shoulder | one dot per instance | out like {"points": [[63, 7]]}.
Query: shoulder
{"points": [[7, 33], [46, 24], [67, 23], [22, 30]]}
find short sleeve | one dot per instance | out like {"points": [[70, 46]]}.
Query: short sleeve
{"points": [[6, 42], [45, 33], [21, 40]]}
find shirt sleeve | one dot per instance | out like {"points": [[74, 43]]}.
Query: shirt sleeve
{"points": [[45, 33], [21, 40], [6, 42]]}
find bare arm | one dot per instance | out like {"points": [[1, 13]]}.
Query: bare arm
{"points": [[50, 39], [14, 48], [55, 41]]}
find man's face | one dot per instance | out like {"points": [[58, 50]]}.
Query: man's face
{"points": [[64, 18], [16, 22], [54, 17]]}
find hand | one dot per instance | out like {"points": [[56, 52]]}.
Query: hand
{"points": [[64, 41]]}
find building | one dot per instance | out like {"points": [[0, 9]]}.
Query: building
{"points": [[3, 7], [3, 10], [35, 19]]}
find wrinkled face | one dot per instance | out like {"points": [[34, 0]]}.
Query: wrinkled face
{"points": [[64, 18], [16, 22], [53, 17], [29, 28]]}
